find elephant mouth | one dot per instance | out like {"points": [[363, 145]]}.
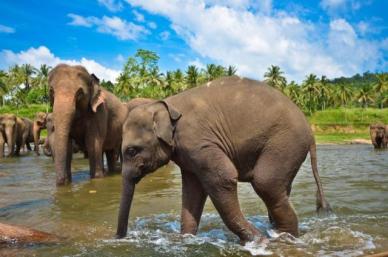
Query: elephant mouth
{"points": [[137, 179]]}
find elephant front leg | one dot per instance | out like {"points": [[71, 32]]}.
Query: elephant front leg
{"points": [[193, 201], [95, 157], [111, 158]]}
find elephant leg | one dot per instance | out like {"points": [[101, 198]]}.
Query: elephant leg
{"points": [[273, 184], [28, 146], [219, 177], [111, 160], [1, 146], [96, 159], [193, 201]]}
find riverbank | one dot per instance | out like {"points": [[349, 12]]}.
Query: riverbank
{"points": [[346, 125]]}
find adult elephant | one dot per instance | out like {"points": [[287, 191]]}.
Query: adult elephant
{"points": [[379, 135], [24, 134], [87, 113], [39, 123], [8, 133], [229, 130]]}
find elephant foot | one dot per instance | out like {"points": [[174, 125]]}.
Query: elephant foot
{"points": [[99, 174], [63, 181]]}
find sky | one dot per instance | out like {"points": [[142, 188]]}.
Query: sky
{"points": [[327, 37]]}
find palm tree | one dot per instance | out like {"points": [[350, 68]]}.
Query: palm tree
{"points": [[25, 75], [293, 91], [213, 71], [41, 79], [381, 86], [310, 87], [365, 96], [192, 76], [3, 86], [274, 77], [324, 92], [344, 94], [231, 70]]}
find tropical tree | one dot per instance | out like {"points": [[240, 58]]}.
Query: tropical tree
{"points": [[311, 88], [213, 71], [231, 70], [25, 73], [343, 94], [274, 77], [364, 97], [381, 87], [192, 76], [41, 80]]}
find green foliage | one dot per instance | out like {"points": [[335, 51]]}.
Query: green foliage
{"points": [[27, 111], [350, 116], [141, 77]]}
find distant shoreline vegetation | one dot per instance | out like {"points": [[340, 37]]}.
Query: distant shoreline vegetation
{"points": [[141, 77]]}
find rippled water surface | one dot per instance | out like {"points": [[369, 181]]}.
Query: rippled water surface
{"points": [[355, 179]]}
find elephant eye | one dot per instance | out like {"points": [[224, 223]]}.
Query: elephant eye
{"points": [[131, 151]]}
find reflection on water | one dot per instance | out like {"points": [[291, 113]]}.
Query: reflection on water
{"points": [[85, 213]]}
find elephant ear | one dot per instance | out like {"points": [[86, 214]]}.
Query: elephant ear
{"points": [[165, 120], [97, 96]]}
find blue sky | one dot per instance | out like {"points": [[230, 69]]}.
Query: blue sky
{"points": [[327, 37]]}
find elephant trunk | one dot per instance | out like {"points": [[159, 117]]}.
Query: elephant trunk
{"points": [[125, 205], [10, 134], [64, 111], [46, 148], [36, 134]]}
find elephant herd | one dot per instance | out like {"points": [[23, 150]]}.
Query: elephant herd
{"points": [[379, 135], [227, 131], [19, 132]]}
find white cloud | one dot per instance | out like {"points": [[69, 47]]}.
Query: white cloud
{"points": [[115, 26], [197, 63], [164, 35], [253, 40], [112, 5], [138, 16], [120, 58], [78, 20], [43, 55], [335, 7], [6, 29], [152, 25]]}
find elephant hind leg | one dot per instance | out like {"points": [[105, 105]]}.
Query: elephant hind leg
{"points": [[272, 182]]}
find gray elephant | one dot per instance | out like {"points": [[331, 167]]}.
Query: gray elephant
{"points": [[229, 130], [24, 134], [87, 113], [379, 135], [48, 148], [8, 133], [39, 123]]}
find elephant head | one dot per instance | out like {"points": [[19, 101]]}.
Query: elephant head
{"points": [[147, 145], [8, 129], [38, 124], [73, 93], [377, 134]]}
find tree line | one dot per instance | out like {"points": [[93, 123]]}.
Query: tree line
{"points": [[141, 77]]}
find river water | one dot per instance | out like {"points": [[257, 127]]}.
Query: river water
{"points": [[355, 179]]}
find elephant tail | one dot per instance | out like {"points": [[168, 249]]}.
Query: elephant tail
{"points": [[323, 207]]}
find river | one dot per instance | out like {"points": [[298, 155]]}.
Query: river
{"points": [[355, 180]]}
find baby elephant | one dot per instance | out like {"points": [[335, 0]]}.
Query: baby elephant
{"points": [[230, 130], [48, 148], [379, 135]]}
